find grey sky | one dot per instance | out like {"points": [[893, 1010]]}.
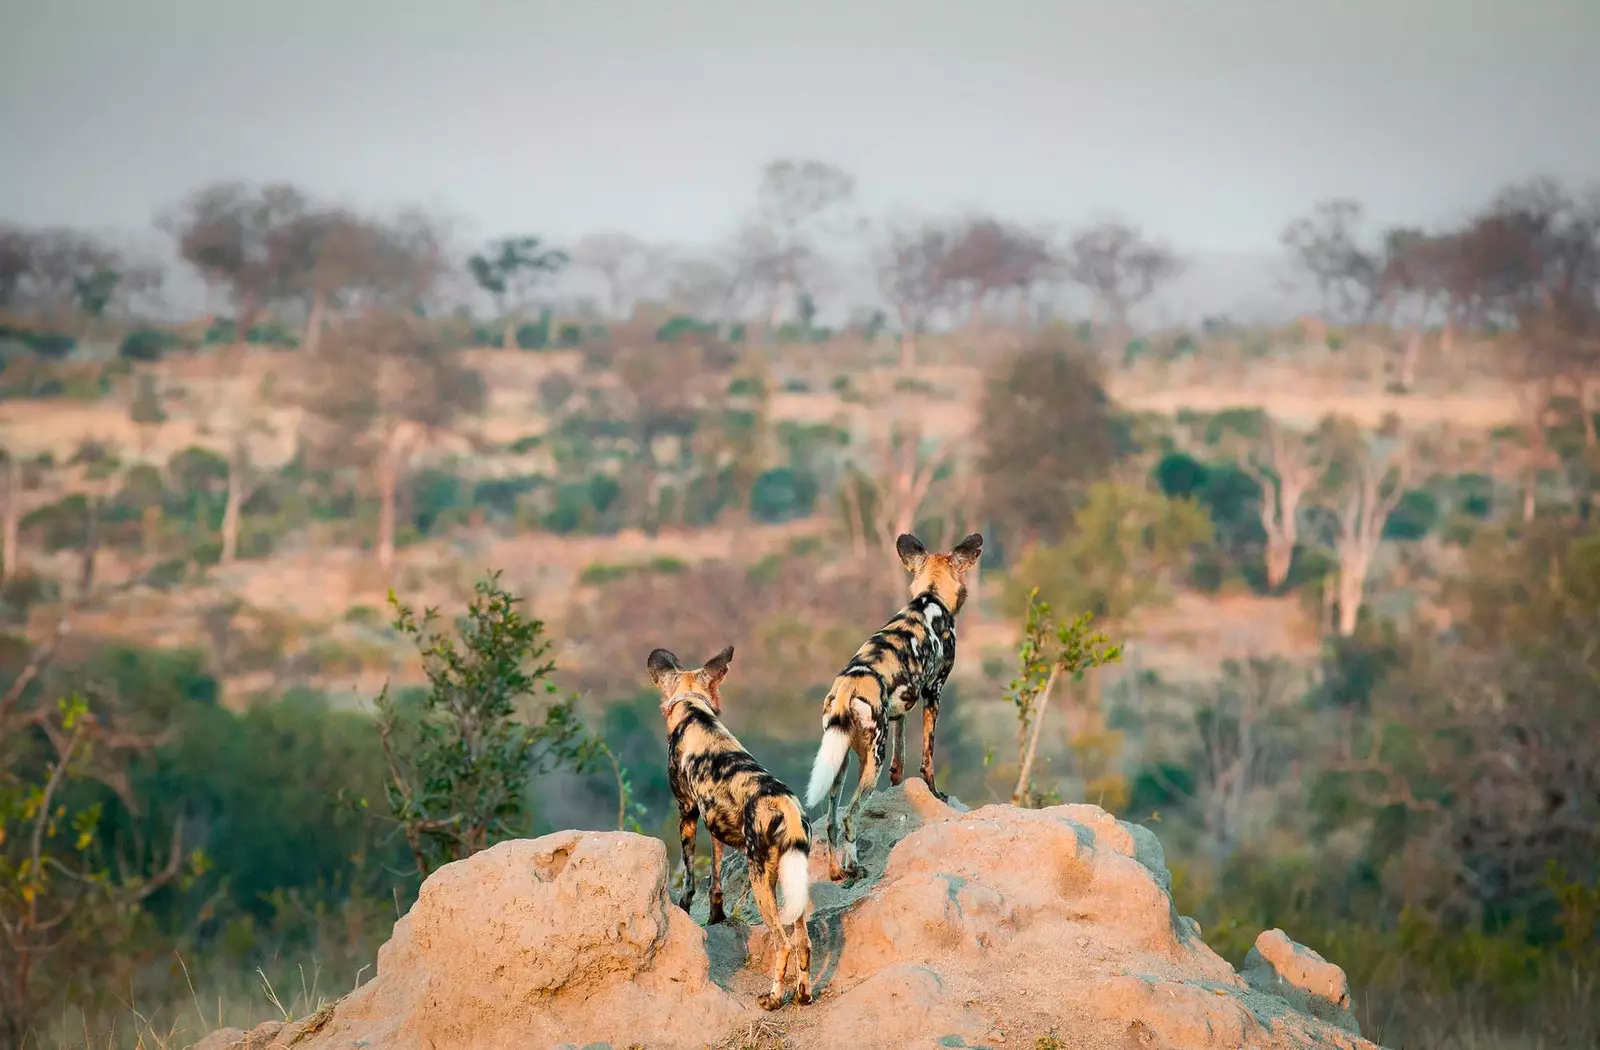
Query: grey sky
{"points": [[1210, 121]]}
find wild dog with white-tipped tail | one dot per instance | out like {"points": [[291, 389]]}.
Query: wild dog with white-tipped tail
{"points": [[907, 660], [713, 777]]}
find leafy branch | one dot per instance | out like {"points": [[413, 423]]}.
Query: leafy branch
{"points": [[1049, 651]]}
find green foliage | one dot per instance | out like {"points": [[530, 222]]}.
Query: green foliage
{"points": [[1120, 550], [535, 335], [1048, 653], [600, 572], [683, 327], [53, 345], [1414, 516], [148, 344], [460, 762], [783, 494]]}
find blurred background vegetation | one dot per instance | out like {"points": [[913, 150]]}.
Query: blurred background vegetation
{"points": [[1351, 561]]}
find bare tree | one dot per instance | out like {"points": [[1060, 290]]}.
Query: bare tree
{"points": [[57, 271], [386, 384], [627, 264], [703, 286], [1370, 474], [243, 240], [1237, 730], [798, 204], [1120, 268], [1325, 245], [911, 275], [510, 270], [336, 252], [988, 256], [1287, 466]]}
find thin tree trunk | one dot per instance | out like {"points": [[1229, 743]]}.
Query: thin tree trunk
{"points": [[1408, 360], [977, 311], [508, 337], [313, 339], [388, 486], [1586, 410], [13, 517], [1280, 556], [231, 512], [1021, 792], [1352, 580]]}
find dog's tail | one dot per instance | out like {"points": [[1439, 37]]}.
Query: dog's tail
{"points": [[835, 744], [794, 884]]}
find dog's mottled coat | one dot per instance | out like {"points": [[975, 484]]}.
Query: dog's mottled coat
{"points": [[744, 807], [907, 660]]}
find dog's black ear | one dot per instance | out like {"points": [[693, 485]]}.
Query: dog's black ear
{"points": [[913, 555], [661, 664], [966, 553], [716, 668]]}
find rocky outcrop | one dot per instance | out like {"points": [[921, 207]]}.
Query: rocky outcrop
{"points": [[997, 928]]}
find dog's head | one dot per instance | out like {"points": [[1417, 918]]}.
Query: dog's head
{"points": [[943, 574], [674, 681]]}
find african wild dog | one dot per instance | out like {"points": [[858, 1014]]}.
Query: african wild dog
{"points": [[744, 807], [906, 661]]}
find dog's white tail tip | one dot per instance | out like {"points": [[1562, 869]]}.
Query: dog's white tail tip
{"points": [[794, 884]]}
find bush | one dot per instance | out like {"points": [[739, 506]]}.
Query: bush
{"points": [[147, 344], [1413, 517], [501, 494], [783, 494], [450, 801], [600, 572], [535, 336]]}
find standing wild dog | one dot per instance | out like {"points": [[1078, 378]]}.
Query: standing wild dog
{"points": [[906, 661], [744, 806]]}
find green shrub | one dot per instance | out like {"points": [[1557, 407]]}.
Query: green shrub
{"points": [[450, 800], [783, 494], [1413, 517], [147, 344], [600, 572]]}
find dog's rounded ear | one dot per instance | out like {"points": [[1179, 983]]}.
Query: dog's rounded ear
{"points": [[966, 553], [912, 553], [661, 664], [716, 668]]}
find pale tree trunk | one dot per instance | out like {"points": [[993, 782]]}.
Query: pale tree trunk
{"points": [[1361, 520], [390, 459], [1407, 379], [1586, 409], [508, 336], [1025, 771], [9, 549], [1293, 474], [231, 511], [1352, 585], [908, 342], [313, 339]]}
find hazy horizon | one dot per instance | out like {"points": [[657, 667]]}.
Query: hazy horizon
{"points": [[1210, 125]]}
